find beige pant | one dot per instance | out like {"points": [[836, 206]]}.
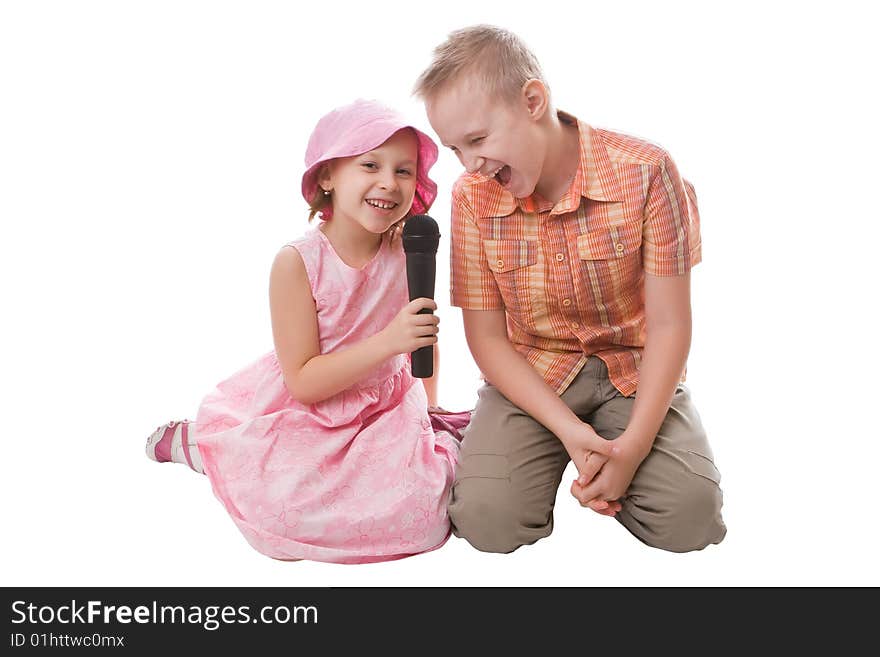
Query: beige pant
{"points": [[511, 466]]}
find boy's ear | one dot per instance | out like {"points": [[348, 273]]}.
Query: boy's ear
{"points": [[536, 98]]}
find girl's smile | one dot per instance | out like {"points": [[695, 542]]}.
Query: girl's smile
{"points": [[381, 206]]}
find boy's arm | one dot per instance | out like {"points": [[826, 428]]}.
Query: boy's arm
{"points": [[507, 370], [668, 319], [668, 341], [671, 247]]}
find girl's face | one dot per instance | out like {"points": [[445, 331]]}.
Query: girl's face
{"points": [[375, 190]]}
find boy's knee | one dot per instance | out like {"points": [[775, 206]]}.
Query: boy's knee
{"points": [[484, 512], [689, 521]]}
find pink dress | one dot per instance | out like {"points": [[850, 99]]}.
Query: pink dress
{"points": [[359, 477]]}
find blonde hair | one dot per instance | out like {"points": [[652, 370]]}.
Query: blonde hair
{"points": [[499, 59]]}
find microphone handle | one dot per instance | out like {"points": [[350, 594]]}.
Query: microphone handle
{"points": [[423, 362], [420, 276]]}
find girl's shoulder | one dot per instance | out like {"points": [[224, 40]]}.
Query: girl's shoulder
{"points": [[307, 247], [289, 267], [300, 259], [311, 237]]}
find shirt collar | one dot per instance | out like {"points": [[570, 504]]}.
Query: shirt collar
{"points": [[594, 179]]}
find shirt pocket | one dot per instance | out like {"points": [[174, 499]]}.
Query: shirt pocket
{"points": [[512, 264], [611, 268], [504, 256], [613, 243]]}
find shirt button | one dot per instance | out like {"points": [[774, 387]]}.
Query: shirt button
{"points": [[499, 264], [560, 257], [575, 325], [619, 247], [566, 302]]}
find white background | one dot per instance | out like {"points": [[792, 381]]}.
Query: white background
{"points": [[150, 157]]}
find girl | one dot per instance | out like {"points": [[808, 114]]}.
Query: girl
{"points": [[324, 448]]}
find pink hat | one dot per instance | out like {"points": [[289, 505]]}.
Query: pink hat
{"points": [[357, 128]]}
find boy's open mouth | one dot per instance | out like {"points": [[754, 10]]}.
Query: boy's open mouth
{"points": [[503, 175]]}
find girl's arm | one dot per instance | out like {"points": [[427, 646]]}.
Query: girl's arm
{"points": [[311, 376], [431, 383]]}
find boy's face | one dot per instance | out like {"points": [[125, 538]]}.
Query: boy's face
{"points": [[496, 138]]}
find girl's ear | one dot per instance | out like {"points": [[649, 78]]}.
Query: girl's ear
{"points": [[325, 180]]}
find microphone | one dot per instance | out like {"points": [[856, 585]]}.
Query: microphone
{"points": [[421, 237]]}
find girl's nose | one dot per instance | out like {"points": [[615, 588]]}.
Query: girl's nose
{"points": [[388, 182]]}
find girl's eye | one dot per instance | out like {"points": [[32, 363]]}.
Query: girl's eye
{"points": [[405, 172], [477, 140], [369, 165]]}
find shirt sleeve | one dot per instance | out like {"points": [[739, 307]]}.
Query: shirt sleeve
{"points": [[671, 234], [472, 284]]}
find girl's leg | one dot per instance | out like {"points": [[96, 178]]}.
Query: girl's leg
{"points": [[173, 442], [443, 420]]}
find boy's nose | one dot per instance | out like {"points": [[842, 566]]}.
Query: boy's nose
{"points": [[473, 164]]}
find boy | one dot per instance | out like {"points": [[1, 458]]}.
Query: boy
{"points": [[571, 252]]}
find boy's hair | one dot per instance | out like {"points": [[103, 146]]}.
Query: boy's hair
{"points": [[501, 61]]}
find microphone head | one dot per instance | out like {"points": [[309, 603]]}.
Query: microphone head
{"points": [[421, 234]]}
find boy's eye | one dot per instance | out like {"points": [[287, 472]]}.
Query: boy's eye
{"points": [[477, 140]]}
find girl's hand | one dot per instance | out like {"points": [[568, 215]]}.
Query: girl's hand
{"points": [[409, 330], [396, 231]]}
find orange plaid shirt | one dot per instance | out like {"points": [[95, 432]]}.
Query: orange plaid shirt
{"points": [[570, 276]]}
